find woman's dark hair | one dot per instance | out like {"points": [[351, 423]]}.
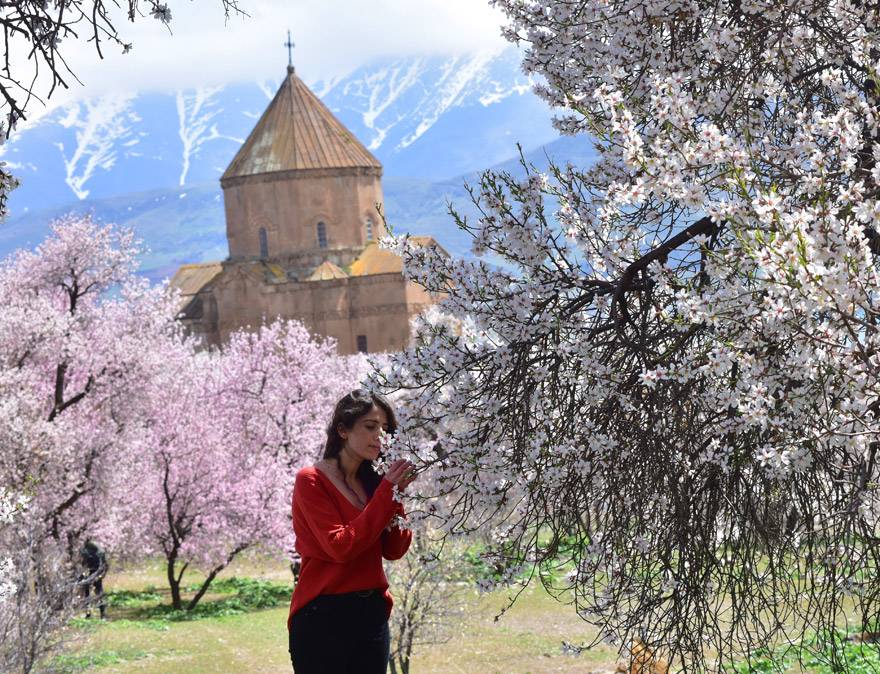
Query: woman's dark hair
{"points": [[348, 410]]}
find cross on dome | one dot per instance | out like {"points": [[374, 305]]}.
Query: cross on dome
{"points": [[290, 45]]}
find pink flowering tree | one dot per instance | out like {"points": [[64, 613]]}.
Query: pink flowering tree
{"points": [[118, 428], [279, 387], [199, 499], [656, 384], [228, 430], [78, 330], [80, 336]]}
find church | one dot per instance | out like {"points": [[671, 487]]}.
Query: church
{"points": [[301, 198]]}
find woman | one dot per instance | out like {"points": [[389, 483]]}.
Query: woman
{"points": [[342, 518]]}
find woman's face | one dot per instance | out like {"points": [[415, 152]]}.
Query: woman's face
{"points": [[364, 438]]}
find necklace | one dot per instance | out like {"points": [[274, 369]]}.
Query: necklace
{"points": [[357, 498], [353, 492]]}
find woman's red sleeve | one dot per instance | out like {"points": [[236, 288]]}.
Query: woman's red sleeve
{"points": [[396, 541], [342, 542]]}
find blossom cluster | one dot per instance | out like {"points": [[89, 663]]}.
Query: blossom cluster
{"points": [[123, 429], [10, 506], [665, 365]]}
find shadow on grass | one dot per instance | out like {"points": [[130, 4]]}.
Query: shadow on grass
{"points": [[229, 596], [150, 609]]}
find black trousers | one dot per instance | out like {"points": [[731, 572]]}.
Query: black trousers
{"points": [[341, 634], [98, 586]]}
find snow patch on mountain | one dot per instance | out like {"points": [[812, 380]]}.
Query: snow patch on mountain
{"points": [[99, 125], [403, 100], [501, 92], [268, 87], [323, 87], [383, 88], [197, 113], [458, 74], [17, 166]]}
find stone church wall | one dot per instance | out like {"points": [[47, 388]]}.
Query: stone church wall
{"points": [[377, 307], [289, 206]]}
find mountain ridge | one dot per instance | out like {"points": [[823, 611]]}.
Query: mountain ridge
{"points": [[182, 225], [152, 161], [424, 117]]}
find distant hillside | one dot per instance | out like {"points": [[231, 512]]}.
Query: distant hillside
{"points": [[187, 224], [429, 118]]}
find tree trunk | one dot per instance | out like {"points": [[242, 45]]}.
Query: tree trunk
{"points": [[175, 589], [211, 576], [174, 580], [407, 653]]}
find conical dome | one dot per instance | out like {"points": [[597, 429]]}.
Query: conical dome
{"points": [[327, 271], [298, 132]]}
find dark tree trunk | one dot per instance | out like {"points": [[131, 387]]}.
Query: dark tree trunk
{"points": [[212, 575], [174, 580]]}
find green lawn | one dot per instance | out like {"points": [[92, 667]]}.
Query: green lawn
{"points": [[240, 628], [236, 639]]}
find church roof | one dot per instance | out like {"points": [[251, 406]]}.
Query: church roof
{"points": [[375, 260], [191, 278], [298, 132], [326, 271]]}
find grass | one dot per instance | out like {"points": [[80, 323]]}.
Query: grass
{"points": [[241, 627], [70, 664], [133, 598], [246, 595], [815, 655]]}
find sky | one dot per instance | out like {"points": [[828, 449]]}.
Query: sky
{"points": [[332, 37]]}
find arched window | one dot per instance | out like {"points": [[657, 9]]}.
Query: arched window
{"points": [[264, 243], [322, 235], [369, 229]]}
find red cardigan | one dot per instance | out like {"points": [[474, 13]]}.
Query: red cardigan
{"points": [[341, 545]]}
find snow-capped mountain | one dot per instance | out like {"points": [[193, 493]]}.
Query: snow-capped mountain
{"points": [[427, 118], [179, 225], [436, 118]]}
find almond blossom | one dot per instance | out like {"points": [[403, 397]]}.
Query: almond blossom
{"points": [[695, 314], [119, 427]]}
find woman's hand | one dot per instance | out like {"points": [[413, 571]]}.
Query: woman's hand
{"points": [[401, 473]]}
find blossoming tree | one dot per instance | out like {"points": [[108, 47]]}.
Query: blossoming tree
{"points": [[11, 507], [228, 431], [664, 367], [277, 391], [73, 368], [117, 427]]}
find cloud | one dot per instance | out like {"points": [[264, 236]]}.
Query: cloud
{"points": [[332, 37]]}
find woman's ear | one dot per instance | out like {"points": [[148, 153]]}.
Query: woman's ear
{"points": [[342, 431]]}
